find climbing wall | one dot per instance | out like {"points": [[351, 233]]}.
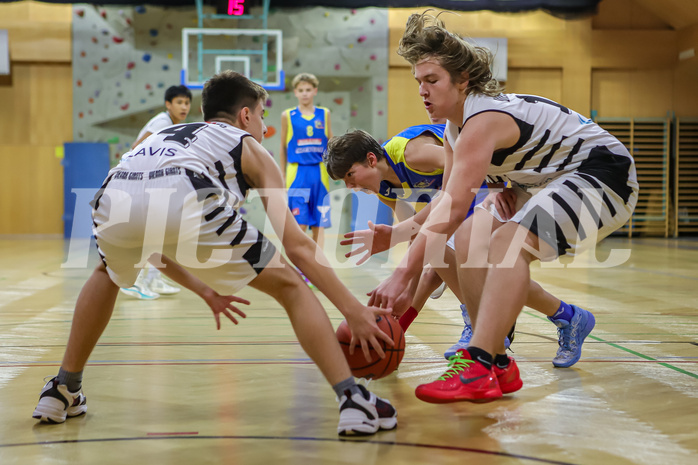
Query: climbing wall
{"points": [[123, 61], [124, 58]]}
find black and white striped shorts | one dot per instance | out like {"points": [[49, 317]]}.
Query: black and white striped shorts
{"points": [[183, 215], [575, 211]]}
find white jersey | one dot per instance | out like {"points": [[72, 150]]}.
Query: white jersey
{"points": [[176, 194], [156, 123], [554, 140], [193, 146]]}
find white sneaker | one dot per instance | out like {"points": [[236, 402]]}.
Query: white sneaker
{"points": [[140, 289], [159, 286], [56, 403], [365, 413], [438, 292]]}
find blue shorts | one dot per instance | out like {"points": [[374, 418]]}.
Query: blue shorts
{"points": [[308, 194]]}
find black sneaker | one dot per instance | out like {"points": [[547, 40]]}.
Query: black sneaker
{"points": [[364, 413], [56, 403]]}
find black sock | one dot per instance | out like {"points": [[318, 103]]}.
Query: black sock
{"points": [[72, 380], [348, 384], [481, 356], [501, 361]]}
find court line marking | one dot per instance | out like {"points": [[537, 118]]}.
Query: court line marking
{"points": [[630, 351], [301, 362], [296, 343], [296, 438], [174, 433], [310, 362]]}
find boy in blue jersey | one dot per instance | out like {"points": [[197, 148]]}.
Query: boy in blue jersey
{"points": [[305, 131], [408, 169]]}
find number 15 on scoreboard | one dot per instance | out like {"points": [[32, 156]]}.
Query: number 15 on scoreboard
{"points": [[236, 7]]}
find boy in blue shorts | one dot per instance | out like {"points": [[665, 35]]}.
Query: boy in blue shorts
{"points": [[305, 130]]}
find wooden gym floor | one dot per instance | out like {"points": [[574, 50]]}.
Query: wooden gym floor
{"points": [[164, 387]]}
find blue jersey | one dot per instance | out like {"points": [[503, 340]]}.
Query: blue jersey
{"points": [[416, 186], [306, 137]]}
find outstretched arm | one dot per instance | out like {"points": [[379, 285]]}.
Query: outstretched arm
{"points": [[481, 136], [262, 173], [380, 237]]}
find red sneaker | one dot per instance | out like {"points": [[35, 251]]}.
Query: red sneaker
{"points": [[465, 379], [508, 378]]}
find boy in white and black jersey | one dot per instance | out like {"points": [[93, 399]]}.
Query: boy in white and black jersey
{"points": [[575, 184], [173, 200]]}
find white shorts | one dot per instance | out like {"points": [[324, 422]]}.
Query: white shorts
{"points": [[182, 215], [521, 198], [479, 198], [451, 242], [571, 213]]}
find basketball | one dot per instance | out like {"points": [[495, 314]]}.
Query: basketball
{"points": [[377, 367]]}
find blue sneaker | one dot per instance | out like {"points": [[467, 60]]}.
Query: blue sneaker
{"points": [[571, 336], [467, 334]]}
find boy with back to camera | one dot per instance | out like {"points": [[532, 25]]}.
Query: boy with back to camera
{"points": [[179, 209], [305, 130], [150, 284]]}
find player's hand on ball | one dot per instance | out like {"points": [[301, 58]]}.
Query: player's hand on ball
{"points": [[371, 241], [365, 331], [224, 304]]}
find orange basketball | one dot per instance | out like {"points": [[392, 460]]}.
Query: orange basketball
{"points": [[377, 367]]}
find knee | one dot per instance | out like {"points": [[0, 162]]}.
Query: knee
{"points": [[471, 248], [463, 235], [461, 241], [500, 243], [501, 236], [287, 285], [511, 239], [429, 275]]}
